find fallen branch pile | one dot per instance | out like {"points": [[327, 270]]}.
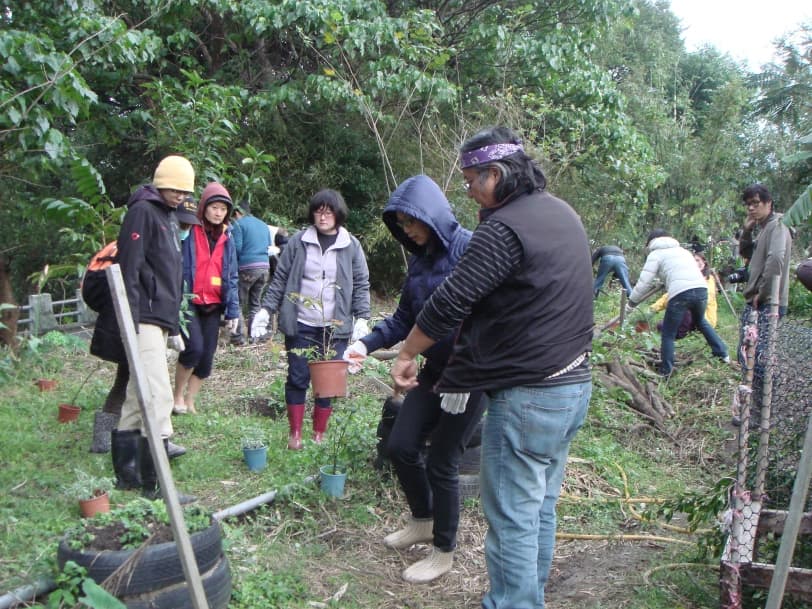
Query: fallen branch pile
{"points": [[645, 398]]}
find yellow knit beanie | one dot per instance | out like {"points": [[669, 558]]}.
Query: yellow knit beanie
{"points": [[174, 172]]}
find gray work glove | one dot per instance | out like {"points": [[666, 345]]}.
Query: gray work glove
{"points": [[176, 343], [259, 327], [454, 403]]}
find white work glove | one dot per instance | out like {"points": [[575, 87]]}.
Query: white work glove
{"points": [[259, 327], [454, 403], [232, 325], [176, 343], [355, 354], [359, 330], [629, 309]]}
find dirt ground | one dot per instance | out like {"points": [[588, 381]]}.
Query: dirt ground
{"points": [[585, 575]]}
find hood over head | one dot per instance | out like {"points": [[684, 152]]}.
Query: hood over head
{"points": [[214, 191], [421, 198]]}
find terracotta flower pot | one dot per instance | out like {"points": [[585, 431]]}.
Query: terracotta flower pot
{"points": [[328, 378], [68, 413], [94, 505], [641, 326], [46, 384]]}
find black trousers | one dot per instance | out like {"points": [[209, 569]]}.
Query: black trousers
{"points": [[432, 484]]}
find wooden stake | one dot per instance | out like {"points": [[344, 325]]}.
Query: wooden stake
{"points": [[156, 445]]}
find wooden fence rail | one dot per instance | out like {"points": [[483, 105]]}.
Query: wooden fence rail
{"points": [[42, 314]]}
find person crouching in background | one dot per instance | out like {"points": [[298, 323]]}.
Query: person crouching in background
{"points": [[210, 274]]}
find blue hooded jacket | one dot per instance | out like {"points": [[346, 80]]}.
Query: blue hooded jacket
{"points": [[421, 198]]}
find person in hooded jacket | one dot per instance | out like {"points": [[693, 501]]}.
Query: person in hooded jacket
{"points": [[419, 216], [676, 268], [150, 260], [210, 274]]}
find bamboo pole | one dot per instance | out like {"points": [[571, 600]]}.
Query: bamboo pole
{"points": [[156, 447]]}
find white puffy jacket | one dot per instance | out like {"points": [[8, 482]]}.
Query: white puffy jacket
{"points": [[670, 264]]}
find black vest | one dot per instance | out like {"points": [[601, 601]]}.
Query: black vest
{"points": [[540, 319]]}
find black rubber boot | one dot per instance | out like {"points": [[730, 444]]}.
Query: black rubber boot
{"points": [[124, 448], [149, 477]]}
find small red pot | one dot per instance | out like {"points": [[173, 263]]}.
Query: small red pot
{"points": [[46, 384], [94, 505], [641, 326], [68, 413]]}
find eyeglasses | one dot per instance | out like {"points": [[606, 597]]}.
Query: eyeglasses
{"points": [[753, 202], [406, 222], [323, 212]]}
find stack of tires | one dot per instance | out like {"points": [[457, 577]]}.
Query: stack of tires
{"points": [[154, 578], [469, 467]]}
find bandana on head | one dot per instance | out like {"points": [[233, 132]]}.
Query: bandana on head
{"points": [[494, 152]]}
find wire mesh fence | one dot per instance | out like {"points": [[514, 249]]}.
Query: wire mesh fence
{"points": [[771, 408]]}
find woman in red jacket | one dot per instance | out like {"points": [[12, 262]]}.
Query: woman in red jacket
{"points": [[210, 274]]}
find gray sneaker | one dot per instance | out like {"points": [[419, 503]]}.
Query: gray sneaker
{"points": [[174, 450]]}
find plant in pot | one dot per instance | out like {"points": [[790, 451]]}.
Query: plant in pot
{"points": [[135, 545], [92, 493], [344, 444], [328, 376], [254, 449], [69, 411]]}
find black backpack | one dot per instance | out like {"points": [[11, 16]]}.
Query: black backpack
{"points": [[95, 289]]}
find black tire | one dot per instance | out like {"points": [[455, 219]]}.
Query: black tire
{"points": [[216, 585], [470, 461], [476, 436], [469, 486], [158, 566]]}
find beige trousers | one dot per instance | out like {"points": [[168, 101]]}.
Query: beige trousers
{"points": [[152, 351]]}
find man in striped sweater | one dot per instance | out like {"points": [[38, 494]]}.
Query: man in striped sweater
{"points": [[521, 296]]}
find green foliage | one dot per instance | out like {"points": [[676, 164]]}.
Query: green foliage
{"points": [[253, 437], [138, 518], [349, 439], [71, 582], [701, 508], [87, 486]]}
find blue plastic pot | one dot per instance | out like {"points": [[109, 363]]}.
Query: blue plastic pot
{"points": [[332, 484], [256, 458]]}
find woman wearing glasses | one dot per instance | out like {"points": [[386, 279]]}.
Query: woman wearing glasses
{"points": [[419, 217], [321, 264]]}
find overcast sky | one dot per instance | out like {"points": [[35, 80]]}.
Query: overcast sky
{"points": [[744, 29]]}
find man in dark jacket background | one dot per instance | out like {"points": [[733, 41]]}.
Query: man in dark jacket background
{"points": [[149, 255], [252, 240], [613, 261]]}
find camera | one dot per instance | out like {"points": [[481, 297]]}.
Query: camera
{"points": [[740, 275]]}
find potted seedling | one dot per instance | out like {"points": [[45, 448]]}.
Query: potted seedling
{"points": [[254, 449], [92, 493], [69, 411], [328, 376], [333, 475]]}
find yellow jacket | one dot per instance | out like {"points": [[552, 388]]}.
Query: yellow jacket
{"points": [[710, 311]]}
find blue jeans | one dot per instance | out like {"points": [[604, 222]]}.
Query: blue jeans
{"points": [[616, 265], [525, 441], [695, 301]]}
